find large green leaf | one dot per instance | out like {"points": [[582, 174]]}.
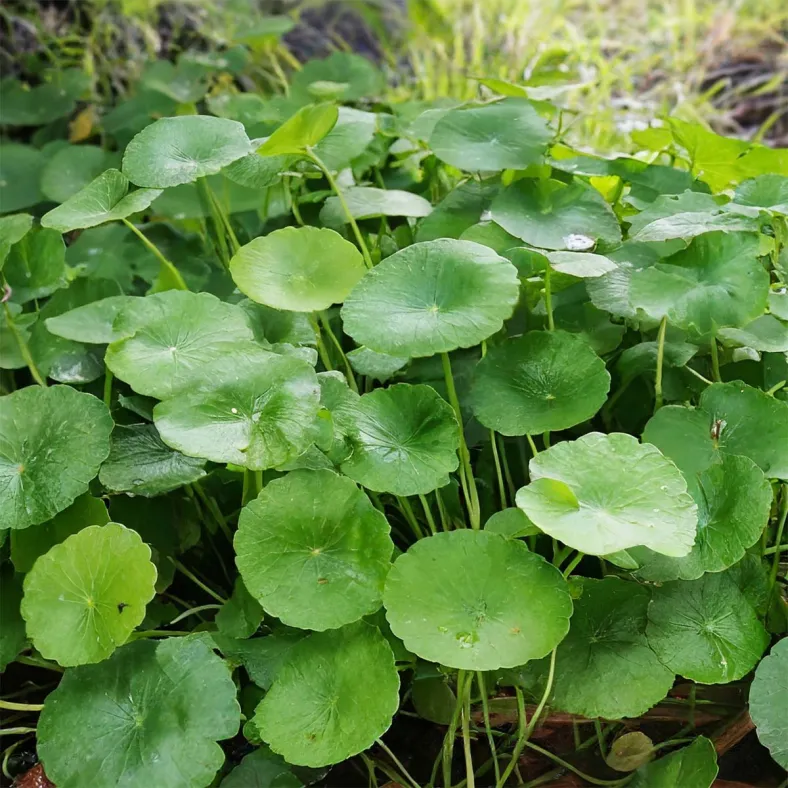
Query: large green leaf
{"points": [[303, 269], [86, 595], [769, 191], [72, 168], [542, 382], [404, 440], [105, 199], [484, 602], [313, 550], [768, 701], [149, 715], [554, 215], [604, 667], [605, 493], [507, 134], [432, 297], [766, 333], [335, 695], [260, 414], [52, 442], [694, 766], [171, 339], [141, 464], [705, 629], [91, 323], [734, 500], [179, 150]]}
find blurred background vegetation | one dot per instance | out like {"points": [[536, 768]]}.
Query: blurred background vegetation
{"points": [[613, 64]]}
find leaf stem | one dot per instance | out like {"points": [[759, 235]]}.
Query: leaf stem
{"points": [[15, 731], [469, 486], [10, 706], [107, 387], [778, 539], [397, 763], [174, 273], [698, 375], [23, 348], [187, 573], [213, 508], [715, 361], [407, 511], [498, 470], [663, 326], [448, 743], [466, 733], [345, 208], [194, 610], [548, 300], [487, 727], [333, 337], [36, 662], [776, 387], [428, 514], [571, 566], [534, 450]]}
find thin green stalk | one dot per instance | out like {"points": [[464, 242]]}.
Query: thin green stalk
{"points": [[397, 763], [218, 227], [345, 208], [600, 737], [448, 742], [172, 271], [778, 539], [573, 564], [534, 450], [445, 521], [193, 611], [660, 358], [15, 731], [159, 633], [546, 439], [213, 508], [487, 726], [407, 510], [253, 485], [288, 180], [698, 375], [472, 496], [715, 361], [23, 348], [566, 765], [37, 662], [466, 732], [225, 219], [188, 573], [428, 514], [548, 300], [776, 387], [9, 706], [107, 387], [506, 470], [498, 470], [337, 344]]}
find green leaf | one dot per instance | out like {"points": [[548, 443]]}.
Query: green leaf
{"points": [[605, 493], [691, 225], [768, 701], [684, 435], [629, 751], [378, 366], [260, 414], [360, 77], [140, 463], [12, 625], [734, 500], [256, 171], [303, 269], [36, 266], [766, 333], [433, 700], [432, 297], [25, 106], [542, 382], [768, 191], [507, 134], [404, 440], [367, 202], [86, 595], [512, 523], [778, 301], [304, 130], [261, 769], [484, 601], [20, 174], [71, 169], [313, 550], [336, 695], [459, 212], [171, 339], [641, 359], [91, 323], [10, 352], [27, 545], [690, 767], [106, 199], [705, 629], [604, 667], [179, 150], [52, 442], [12, 230], [553, 215], [583, 265], [262, 657], [149, 715], [241, 615], [352, 134]]}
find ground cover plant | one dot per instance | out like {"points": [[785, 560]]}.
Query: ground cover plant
{"points": [[345, 442]]}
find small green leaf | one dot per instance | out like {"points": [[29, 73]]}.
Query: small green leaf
{"points": [[261, 769], [583, 265], [304, 130], [690, 767], [766, 333], [91, 323], [241, 615], [768, 191], [12, 230], [367, 202], [20, 174], [630, 751], [36, 265], [768, 701], [378, 366], [86, 595], [71, 169], [12, 625], [512, 523]]}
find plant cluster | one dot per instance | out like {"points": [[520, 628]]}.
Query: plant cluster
{"points": [[321, 413]]}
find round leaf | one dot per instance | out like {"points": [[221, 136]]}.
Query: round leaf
{"points": [[367, 202], [378, 366], [605, 493], [149, 715], [335, 695], [554, 215], [508, 134], [261, 769], [20, 173], [768, 191], [52, 442], [583, 265], [705, 629], [476, 601], [260, 414], [91, 323], [766, 333], [404, 440], [630, 751], [604, 667], [86, 595], [171, 339], [306, 128], [72, 168], [302, 269], [768, 701], [512, 523], [432, 297], [179, 150], [313, 550], [542, 382], [690, 767]]}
